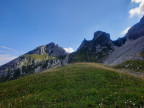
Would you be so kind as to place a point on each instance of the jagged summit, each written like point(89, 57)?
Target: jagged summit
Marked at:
point(52, 49)
point(100, 38)
point(100, 34)
point(94, 50)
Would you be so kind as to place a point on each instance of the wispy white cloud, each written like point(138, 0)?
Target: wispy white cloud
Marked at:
point(6, 58)
point(138, 11)
point(4, 47)
point(125, 31)
point(7, 54)
point(69, 50)
point(11, 49)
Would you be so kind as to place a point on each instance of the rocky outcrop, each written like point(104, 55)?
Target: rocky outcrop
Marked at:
point(95, 50)
point(37, 60)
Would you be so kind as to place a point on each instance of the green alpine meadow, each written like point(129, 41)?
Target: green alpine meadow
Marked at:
point(77, 85)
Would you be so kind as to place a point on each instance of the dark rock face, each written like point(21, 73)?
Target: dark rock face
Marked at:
point(101, 34)
point(120, 41)
point(136, 31)
point(94, 50)
point(37, 60)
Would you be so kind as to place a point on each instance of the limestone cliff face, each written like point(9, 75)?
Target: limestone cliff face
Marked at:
point(37, 60)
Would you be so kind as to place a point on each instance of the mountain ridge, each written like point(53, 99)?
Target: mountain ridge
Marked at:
point(100, 49)
point(115, 52)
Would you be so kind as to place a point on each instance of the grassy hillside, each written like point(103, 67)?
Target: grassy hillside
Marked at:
point(77, 85)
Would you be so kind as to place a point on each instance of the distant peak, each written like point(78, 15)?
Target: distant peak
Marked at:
point(101, 33)
point(52, 43)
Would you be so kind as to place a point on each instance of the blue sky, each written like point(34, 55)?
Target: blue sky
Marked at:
point(26, 24)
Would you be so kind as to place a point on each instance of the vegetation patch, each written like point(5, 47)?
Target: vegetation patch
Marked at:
point(135, 65)
point(74, 86)
point(37, 56)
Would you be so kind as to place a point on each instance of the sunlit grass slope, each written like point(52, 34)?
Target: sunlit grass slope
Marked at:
point(79, 85)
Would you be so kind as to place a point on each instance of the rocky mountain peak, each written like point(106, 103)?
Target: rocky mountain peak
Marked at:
point(101, 34)
point(94, 50)
point(52, 49)
point(37, 60)
point(52, 44)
